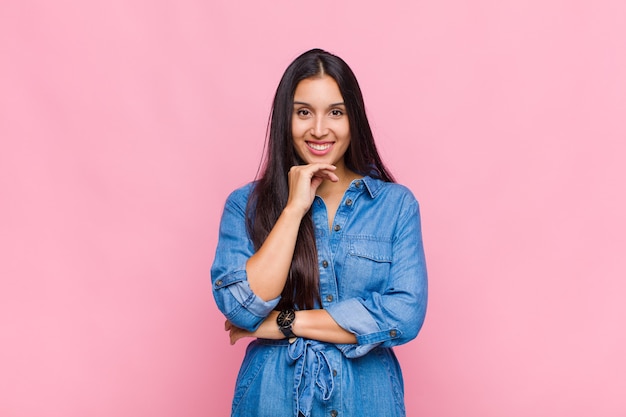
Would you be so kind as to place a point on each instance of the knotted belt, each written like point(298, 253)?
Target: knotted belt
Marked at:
point(311, 368)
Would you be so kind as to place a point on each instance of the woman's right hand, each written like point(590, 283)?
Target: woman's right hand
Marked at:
point(304, 180)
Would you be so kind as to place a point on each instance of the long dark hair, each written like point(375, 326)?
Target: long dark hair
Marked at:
point(271, 191)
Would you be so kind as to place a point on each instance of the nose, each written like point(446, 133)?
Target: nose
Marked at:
point(319, 128)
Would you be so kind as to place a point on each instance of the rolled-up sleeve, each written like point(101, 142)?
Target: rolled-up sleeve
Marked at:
point(396, 315)
point(230, 286)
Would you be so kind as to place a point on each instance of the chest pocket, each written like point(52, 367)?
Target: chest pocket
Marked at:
point(367, 265)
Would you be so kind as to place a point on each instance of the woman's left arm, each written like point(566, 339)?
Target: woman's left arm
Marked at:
point(395, 315)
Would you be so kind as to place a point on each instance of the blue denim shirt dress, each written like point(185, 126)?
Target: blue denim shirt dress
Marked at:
point(372, 282)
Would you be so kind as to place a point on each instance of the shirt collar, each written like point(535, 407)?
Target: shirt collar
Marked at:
point(372, 185)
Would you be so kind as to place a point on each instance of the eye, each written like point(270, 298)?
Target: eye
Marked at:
point(336, 113)
point(303, 112)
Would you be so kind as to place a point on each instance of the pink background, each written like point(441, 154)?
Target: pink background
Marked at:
point(124, 124)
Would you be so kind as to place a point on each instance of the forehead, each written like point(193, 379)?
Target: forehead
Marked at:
point(318, 90)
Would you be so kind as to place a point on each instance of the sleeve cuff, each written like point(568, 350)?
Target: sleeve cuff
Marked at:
point(247, 310)
point(352, 316)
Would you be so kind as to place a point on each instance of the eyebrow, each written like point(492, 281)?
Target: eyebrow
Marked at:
point(307, 104)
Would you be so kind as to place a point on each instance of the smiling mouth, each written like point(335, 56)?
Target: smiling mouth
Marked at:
point(319, 146)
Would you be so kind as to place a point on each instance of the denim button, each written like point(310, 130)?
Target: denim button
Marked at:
point(358, 184)
point(348, 202)
point(334, 413)
point(325, 264)
point(329, 298)
point(337, 228)
point(334, 372)
point(393, 333)
point(218, 282)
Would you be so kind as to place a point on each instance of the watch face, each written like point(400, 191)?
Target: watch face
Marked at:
point(285, 318)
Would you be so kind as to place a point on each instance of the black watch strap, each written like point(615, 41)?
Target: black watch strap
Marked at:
point(287, 331)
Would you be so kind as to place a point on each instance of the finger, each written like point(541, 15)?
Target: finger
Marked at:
point(234, 336)
point(311, 169)
point(326, 174)
point(327, 168)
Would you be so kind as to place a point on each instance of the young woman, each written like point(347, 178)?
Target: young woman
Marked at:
point(321, 259)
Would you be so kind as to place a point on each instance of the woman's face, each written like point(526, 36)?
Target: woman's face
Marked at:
point(320, 127)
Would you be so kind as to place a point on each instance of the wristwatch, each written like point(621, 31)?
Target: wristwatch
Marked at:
point(285, 320)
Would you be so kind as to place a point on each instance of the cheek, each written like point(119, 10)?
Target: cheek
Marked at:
point(298, 128)
point(345, 131)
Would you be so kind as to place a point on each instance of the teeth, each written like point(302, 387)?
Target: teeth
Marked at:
point(319, 147)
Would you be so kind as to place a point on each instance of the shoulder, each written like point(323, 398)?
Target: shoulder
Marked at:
point(390, 192)
point(239, 197)
point(241, 193)
point(397, 201)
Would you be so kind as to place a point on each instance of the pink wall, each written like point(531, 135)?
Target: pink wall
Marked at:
point(124, 124)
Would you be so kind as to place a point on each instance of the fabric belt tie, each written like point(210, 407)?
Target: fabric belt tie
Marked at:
point(311, 368)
